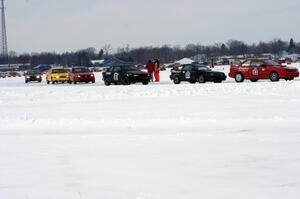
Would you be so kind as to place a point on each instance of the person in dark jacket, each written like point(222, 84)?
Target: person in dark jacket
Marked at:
point(150, 68)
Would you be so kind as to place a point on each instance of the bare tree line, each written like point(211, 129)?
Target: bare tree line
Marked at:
point(165, 53)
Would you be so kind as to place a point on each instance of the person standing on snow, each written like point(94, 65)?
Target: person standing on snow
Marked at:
point(156, 70)
point(150, 68)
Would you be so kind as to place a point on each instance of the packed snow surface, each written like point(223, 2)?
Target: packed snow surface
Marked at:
point(161, 141)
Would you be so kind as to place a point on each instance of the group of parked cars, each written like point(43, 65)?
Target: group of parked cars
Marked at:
point(9, 74)
point(251, 69)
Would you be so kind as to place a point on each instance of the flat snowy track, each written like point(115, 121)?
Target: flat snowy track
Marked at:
point(161, 141)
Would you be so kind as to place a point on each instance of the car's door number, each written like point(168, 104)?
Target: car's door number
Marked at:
point(188, 75)
point(255, 72)
point(116, 76)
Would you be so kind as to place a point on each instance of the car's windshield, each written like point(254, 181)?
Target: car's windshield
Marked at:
point(80, 70)
point(271, 63)
point(202, 68)
point(59, 71)
point(32, 72)
point(129, 68)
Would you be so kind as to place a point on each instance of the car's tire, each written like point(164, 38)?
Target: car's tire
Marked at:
point(274, 77)
point(218, 81)
point(193, 82)
point(48, 82)
point(125, 81)
point(253, 80)
point(70, 82)
point(289, 79)
point(26, 81)
point(176, 80)
point(239, 77)
point(145, 82)
point(75, 82)
point(201, 79)
point(93, 82)
point(53, 82)
point(107, 82)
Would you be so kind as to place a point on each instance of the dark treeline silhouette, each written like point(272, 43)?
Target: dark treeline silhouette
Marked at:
point(165, 53)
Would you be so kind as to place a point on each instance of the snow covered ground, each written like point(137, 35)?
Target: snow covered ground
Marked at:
point(161, 141)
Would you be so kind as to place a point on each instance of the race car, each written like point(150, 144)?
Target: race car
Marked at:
point(81, 74)
point(255, 69)
point(33, 76)
point(125, 74)
point(56, 75)
point(196, 73)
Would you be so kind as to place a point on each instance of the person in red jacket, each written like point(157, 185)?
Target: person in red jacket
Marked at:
point(150, 68)
point(156, 70)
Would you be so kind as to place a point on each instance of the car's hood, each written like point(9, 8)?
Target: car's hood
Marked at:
point(290, 68)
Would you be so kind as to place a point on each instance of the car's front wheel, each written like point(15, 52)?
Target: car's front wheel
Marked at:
point(125, 81)
point(253, 80)
point(176, 80)
point(145, 82)
point(218, 81)
point(201, 79)
point(274, 77)
point(239, 78)
point(107, 82)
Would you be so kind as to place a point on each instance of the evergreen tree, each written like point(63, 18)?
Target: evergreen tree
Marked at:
point(292, 46)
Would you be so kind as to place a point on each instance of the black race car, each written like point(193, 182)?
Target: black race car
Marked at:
point(33, 76)
point(196, 73)
point(125, 74)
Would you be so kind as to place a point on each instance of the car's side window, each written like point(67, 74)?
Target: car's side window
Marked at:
point(117, 69)
point(246, 64)
point(256, 63)
point(109, 69)
point(187, 68)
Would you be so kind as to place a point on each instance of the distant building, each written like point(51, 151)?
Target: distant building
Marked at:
point(114, 62)
point(14, 67)
point(97, 62)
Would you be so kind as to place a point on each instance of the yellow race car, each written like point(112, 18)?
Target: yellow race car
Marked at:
point(56, 75)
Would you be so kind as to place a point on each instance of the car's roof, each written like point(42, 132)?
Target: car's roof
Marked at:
point(56, 68)
point(257, 59)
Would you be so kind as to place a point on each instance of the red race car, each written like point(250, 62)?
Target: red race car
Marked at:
point(255, 69)
point(81, 74)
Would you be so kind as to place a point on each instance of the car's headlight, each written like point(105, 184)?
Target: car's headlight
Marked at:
point(78, 76)
point(27, 77)
point(92, 75)
point(38, 76)
point(57, 77)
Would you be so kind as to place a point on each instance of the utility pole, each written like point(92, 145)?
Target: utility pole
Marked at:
point(4, 48)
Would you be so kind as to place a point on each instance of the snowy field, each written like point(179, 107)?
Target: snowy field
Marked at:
point(161, 141)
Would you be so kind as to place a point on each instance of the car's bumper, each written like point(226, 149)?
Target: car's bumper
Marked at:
point(84, 79)
point(60, 79)
point(140, 79)
point(32, 79)
point(292, 74)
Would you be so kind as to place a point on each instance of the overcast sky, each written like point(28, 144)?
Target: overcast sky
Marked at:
point(62, 25)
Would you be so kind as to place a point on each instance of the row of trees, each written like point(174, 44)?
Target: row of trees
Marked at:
point(165, 53)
